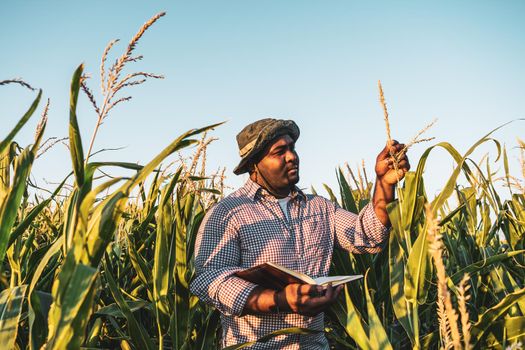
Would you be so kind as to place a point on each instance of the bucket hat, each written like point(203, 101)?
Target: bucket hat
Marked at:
point(256, 136)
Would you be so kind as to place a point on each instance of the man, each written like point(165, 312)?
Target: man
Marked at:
point(269, 219)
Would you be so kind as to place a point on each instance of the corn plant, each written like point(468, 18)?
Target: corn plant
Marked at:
point(60, 254)
point(482, 237)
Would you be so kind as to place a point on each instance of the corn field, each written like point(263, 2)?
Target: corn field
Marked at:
point(105, 262)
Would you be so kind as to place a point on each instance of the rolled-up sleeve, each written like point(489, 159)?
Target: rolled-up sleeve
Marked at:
point(217, 258)
point(363, 233)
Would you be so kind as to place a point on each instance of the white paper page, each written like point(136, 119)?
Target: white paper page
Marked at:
point(336, 280)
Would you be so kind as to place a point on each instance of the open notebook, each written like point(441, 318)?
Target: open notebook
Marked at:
point(274, 276)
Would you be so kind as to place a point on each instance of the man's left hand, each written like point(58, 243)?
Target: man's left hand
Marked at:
point(387, 171)
point(307, 299)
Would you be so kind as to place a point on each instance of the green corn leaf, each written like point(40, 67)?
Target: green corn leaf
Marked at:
point(88, 201)
point(511, 285)
point(396, 220)
point(194, 132)
point(133, 305)
point(9, 207)
point(181, 239)
point(137, 333)
point(11, 300)
point(515, 230)
point(26, 222)
point(451, 214)
point(198, 178)
point(83, 176)
point(397, 262)
point(184, 209)
point(91, 166)
point(377, 335)
point(331, 194)
point(191, 235)
point(209, 190)
point(82, 199)
point(94, 333)
point(206, 337)
point(417, 271)
point(450, 185)
point(429, 341)
point(161, 272)
point(354, 326)
point(488, 191)
point(6, 161)
point(491, 315)
point(506, 167)
point(468, 196)
point(498, 289)
point(509, 330)
point(150, 200)
point(192, 229)
point(347, 198)
point(75, 141)
point(411, 187)
point(37, 318)
point(141, 268)
point(7, 141)
point(83, 203)
point(73, 295)
point(480, 265)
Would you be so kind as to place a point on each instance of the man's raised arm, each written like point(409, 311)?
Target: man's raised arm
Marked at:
point(367, 232)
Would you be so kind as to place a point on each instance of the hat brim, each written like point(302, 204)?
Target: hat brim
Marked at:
point(267, 135)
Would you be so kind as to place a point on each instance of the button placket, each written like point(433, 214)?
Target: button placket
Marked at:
point(295, 216)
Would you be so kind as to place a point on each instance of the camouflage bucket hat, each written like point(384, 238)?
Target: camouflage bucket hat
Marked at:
point(256, 136)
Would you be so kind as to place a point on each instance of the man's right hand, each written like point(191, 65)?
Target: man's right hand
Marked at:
point(307, 299)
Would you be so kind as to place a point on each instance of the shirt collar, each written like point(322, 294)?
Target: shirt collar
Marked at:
point(255, 192)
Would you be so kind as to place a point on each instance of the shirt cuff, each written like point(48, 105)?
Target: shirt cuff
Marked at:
point(376, 231)
point(234, 294)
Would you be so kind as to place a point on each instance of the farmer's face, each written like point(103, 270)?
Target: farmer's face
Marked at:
point(280, 164)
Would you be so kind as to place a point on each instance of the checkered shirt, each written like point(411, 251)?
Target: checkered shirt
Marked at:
point(248, 228)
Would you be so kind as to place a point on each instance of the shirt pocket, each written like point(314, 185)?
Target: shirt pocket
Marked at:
point(270, 243)
point(316, 235)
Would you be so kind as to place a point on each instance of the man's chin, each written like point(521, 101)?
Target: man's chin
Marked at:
point(293, 180)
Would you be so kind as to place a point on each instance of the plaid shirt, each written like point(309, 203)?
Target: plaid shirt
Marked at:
point(248, 228)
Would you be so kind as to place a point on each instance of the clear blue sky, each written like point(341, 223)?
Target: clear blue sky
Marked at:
point(316, 62)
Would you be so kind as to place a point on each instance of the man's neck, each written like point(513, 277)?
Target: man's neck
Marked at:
point(279, 195)
point(276, 192)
